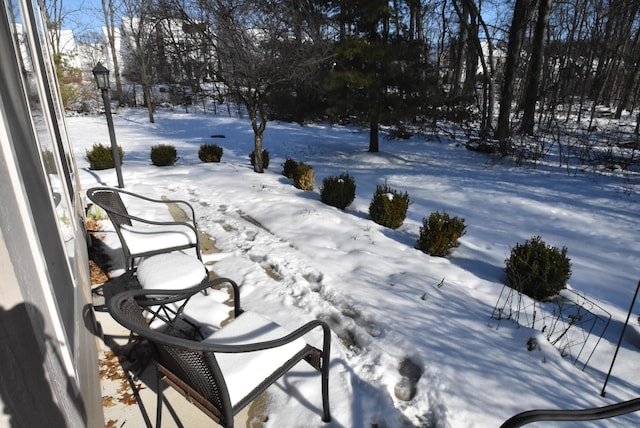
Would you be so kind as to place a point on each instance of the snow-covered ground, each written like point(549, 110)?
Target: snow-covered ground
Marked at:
point(394, 310)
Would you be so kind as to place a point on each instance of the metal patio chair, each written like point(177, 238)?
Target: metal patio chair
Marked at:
point(144, 226)
point(220, 370)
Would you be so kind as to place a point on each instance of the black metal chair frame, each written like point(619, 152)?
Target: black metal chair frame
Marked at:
point(190, 366)
point(109, 199)
point(590, 414)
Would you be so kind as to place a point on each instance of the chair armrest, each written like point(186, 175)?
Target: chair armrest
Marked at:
point(147, 298)
point(190, 212)
point(156, 298)
point(159, 223)
point(275, 343)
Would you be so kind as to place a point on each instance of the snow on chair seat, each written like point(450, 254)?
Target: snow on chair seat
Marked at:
point(170, 271)
point(177, 271)
point(242, 371)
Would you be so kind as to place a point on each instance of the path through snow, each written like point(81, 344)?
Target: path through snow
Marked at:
point(298, 282)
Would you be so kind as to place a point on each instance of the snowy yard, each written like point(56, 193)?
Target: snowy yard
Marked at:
point(394, 310)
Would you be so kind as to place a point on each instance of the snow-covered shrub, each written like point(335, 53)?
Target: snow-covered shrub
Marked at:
point(100, 157)
point(304, 177)
point(164, 155)
point(538, 270)
point(389, 207)
point(338, 191)
point(440, 233)
point(265, 159)
point(210, 153)
point(289, 168)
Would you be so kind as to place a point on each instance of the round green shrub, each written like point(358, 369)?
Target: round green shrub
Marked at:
point(389, 207)
point(265, 159)
point(439, 233)
point(164, 155)
point(100, 157)
point(289, 168)
point(538, 270)
point(304, 177)
point(210, 153)
point(338, 191)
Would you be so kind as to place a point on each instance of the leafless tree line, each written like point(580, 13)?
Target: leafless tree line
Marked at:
point(525, 64)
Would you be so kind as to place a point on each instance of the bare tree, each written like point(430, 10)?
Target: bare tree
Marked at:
point(521, 15)
point(109, 8)
point(471, 18)
point(460, 49)
point(138, 30)
point(55, 14)
point(535, 68)
point(630, 85)
point(260, 46)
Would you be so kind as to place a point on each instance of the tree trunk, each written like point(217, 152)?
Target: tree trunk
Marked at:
point(255, 107)
point(149, 101)
point(461, 47)
point(535, 68)
point(109, 17)
point(146, 91)
point(474, 51)
point(470, 13)
point(488, 86)
point(258, 163)
point(633, 75)
point(373, 134)
point(145, 77)
point(516, 37)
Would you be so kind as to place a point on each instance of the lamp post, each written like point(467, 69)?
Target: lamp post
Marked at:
point(101, 73)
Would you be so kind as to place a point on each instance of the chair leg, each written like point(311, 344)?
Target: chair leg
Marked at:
point(326, 360)
point(326, 412)
point(159, 396)
point(136, 394)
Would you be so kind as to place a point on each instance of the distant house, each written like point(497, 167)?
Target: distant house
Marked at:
point(48, 346)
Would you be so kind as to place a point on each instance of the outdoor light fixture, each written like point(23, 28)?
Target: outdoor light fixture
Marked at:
point(101, 73)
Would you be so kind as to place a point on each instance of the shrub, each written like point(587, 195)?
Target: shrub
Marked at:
point(400, 132)
point(100, 157)
point(338, 191)
point(538, 270)
point(289, 168)
point(265, 158)
point(304, 177)
point(163, 155)
point(439, 233)
point(210, 153)
point(389, 207)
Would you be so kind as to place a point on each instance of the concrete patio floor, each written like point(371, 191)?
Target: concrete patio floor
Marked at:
point(122, 409)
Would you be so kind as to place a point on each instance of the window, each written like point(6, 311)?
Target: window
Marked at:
point(45, 162)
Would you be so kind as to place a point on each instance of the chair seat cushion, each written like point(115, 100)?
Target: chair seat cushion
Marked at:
point(208, 311)
point(142, 238)
point(177, 271)
point(243, 372)
point(170, 271)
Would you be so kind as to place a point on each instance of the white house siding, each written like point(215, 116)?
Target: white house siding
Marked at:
point(49, 370)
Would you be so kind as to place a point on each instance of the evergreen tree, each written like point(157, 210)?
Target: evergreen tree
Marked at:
point(380, 75)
